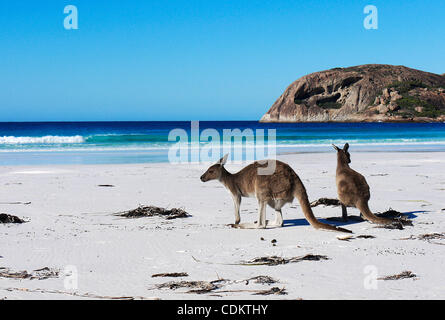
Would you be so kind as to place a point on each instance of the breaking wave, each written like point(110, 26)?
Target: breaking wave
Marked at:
point(11, 140)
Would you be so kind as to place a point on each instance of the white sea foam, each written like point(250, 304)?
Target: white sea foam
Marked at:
point(156, 147)
point(11, 140)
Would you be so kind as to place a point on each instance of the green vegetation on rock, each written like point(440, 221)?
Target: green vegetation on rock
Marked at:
point(408, 105)
point(405, 86)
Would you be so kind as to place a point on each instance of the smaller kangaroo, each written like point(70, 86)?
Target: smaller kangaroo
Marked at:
point(275, 190)
point(352, 188)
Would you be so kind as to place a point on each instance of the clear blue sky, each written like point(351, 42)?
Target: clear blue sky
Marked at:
point(190, 59)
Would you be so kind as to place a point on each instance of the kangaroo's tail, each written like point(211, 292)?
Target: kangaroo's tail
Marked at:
point(301, 195)
point(366, 212)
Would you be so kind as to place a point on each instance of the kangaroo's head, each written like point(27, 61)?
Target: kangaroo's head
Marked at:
point(343, 154)
point(215, 171)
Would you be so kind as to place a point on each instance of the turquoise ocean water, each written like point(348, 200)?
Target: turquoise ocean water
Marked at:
point(143, 142)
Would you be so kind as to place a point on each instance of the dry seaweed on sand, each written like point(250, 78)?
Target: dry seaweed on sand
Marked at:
point(326, 202)
point(403, 275)
point(267, 292)
point(274, 260)
point(39, 274)
point(431, 236)
point(6, 273)
point(428, 237)
point(204, 287)
point(198, 287)
point(262, 280)
point(45, 273)
point(390, 213)
point(7, 218)
point(170, 275)
point(151, 211)
point(274, 290)
point(399, 217)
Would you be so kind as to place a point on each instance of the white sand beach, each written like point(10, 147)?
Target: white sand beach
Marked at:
point(71, 224)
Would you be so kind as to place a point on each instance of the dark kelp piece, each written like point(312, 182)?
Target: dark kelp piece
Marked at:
point(274, 290)
point(428, 237)
point(170, 275)
point(403, 275)
point(274, 260)
point(39, 274)
point(151, 211)
point(198, 287)
point(326, 202)
point(7, 218)
point(262, 280)
point(398, 216)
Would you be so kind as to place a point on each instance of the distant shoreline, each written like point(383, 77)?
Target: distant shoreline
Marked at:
point(420, 120)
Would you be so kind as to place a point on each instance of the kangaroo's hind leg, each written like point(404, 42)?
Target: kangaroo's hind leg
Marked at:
point(237, 203)
point(344, 216)
point(261, 223)
point(277, 205)
point(344, 213)
point(278, 220)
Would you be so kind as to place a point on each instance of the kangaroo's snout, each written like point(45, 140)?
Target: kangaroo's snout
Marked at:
point(212, 173)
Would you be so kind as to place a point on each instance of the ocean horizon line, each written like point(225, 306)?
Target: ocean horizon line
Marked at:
point(228, 120)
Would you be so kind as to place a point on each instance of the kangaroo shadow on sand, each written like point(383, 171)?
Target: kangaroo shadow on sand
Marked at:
point(351, 221)
point(412, 214)
point(303, 222)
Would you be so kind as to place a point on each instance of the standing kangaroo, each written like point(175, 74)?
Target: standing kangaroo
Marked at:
point(352, 188)
point(275, 190)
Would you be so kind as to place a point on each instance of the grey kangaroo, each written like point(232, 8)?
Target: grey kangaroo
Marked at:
point(275, 190)
point(352, 188)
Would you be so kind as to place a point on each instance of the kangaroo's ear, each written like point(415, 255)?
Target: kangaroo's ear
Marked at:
point(346, 147)
point(223, 160)
point(335, 147)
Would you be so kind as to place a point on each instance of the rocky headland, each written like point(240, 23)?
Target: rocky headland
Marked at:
point(364, 93)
